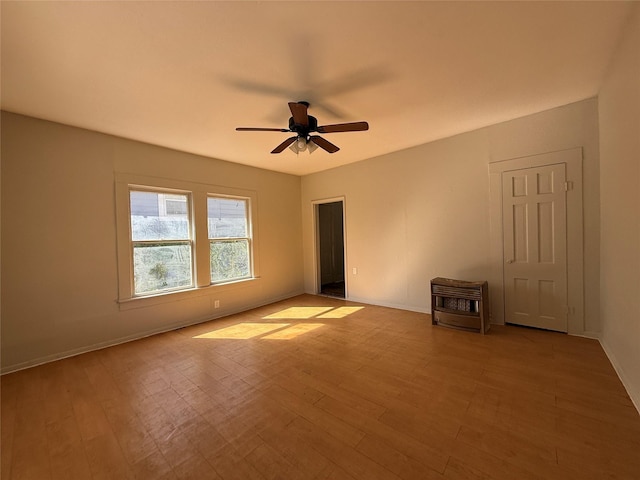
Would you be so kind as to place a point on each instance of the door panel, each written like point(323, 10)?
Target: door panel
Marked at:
point(520, 233)
point(535, 256)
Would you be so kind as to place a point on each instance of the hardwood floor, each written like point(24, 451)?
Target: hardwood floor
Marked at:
point(310, 389)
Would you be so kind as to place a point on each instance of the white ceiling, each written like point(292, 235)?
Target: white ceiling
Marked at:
point(185, 74)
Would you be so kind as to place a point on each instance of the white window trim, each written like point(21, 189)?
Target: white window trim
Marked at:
point(199, 192)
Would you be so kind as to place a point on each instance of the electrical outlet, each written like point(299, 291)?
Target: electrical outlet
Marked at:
point(216, 304)
point(355, 270)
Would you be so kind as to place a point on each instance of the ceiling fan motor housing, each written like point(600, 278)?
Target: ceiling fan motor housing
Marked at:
point(303, 130)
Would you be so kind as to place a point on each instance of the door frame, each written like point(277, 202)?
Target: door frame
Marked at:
point(572, 158)
point(316, 242)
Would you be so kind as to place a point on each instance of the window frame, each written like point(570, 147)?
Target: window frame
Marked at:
point(198, 193)
point(248, 238)
point(188, 241)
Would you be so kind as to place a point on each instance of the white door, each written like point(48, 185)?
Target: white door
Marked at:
point(535, 247)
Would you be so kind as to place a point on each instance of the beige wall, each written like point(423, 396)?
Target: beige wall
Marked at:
point(410, 216)
point(425, 212)
point(619, 106)
point(59, 275)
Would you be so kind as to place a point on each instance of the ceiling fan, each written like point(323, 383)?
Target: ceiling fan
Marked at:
point(303, 124)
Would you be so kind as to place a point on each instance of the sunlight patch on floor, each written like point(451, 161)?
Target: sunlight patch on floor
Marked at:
point(243, 330)
point(298, 312)
point(340, 312)
point(281, 331)
point(293, 331)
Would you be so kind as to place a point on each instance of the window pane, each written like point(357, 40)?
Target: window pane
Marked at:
point(158, 216)
point(161, 267)
point(227, 217)
point(229, 260)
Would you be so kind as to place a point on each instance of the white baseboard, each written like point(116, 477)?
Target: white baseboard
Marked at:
point(591, 335)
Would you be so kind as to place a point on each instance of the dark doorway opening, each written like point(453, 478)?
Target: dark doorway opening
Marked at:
point(331, 249)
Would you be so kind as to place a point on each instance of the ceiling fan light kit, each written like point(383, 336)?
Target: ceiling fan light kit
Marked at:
point(303, 124)
point(301, 145)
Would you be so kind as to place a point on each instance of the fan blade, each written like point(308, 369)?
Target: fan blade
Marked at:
point(325, 144)
point(344, 127)
point(259, 129)
point(284, 145)
point(299, 113)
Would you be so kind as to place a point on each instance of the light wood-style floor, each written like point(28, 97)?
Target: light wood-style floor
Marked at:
point(309, 389)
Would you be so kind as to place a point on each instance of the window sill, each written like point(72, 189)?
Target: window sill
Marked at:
point(176, 296)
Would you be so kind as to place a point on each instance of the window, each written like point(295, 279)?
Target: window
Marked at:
point(177, 237)
point(161, 242)
point(229, 240)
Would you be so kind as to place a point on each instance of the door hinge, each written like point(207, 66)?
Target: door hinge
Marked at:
point(568, 185)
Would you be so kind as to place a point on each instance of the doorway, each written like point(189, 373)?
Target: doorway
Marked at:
point(330, 235)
